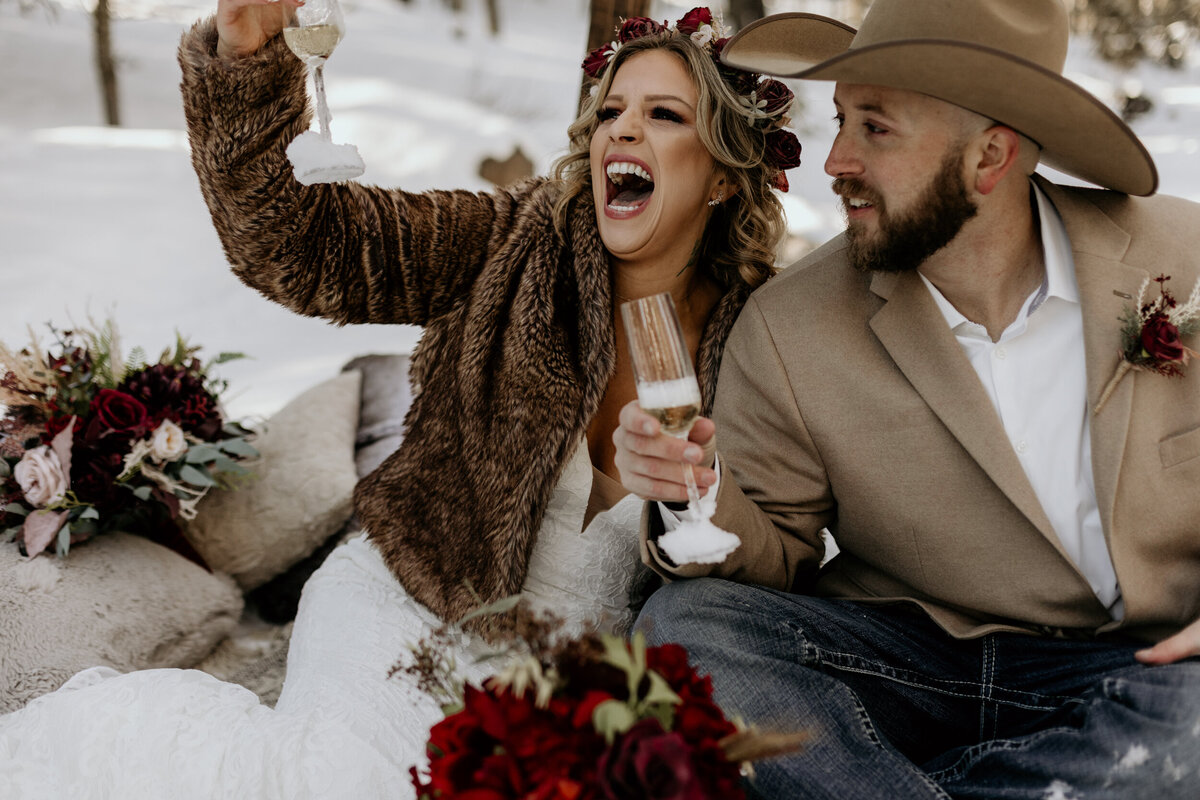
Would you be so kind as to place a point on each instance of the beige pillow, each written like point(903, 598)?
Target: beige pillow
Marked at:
point(301, 494)
point(117, 600)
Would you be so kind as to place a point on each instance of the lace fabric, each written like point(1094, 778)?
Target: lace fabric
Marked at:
point(341, 728)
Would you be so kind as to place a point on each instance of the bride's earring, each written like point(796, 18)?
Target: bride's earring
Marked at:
point(716, 201)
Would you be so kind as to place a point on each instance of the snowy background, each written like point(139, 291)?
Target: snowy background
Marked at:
point(110, 221)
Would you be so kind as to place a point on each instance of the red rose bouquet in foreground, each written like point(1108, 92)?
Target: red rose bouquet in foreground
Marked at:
point(90, 442)
point(1152, 335)
point(594, 717)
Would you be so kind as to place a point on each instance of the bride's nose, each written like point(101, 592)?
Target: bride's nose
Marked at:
point(627, 127)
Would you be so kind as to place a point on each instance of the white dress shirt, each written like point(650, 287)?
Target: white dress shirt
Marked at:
point(1036, 378)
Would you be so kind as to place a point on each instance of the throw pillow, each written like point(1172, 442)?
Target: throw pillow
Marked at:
point(302, 491)
point(117, 600)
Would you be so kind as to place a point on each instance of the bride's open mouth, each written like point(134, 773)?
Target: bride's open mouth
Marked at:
point(629, 186)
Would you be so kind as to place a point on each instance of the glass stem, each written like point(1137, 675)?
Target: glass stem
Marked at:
point(323, 116)
point(689, 477)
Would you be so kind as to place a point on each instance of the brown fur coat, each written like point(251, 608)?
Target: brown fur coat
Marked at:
point(518, 343)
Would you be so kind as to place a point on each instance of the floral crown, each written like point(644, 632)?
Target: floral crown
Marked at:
point(765, 102)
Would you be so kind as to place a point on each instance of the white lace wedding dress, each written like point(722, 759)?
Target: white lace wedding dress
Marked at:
point(341, 728)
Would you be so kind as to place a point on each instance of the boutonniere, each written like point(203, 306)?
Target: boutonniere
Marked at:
point(1152, 335)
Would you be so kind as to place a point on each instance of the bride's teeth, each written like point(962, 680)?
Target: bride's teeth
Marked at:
point(618, 168)
point(857, 203)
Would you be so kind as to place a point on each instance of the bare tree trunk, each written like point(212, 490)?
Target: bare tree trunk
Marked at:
point(605, 16)
point(493, 13)
point(105, 64)
point(743, 12)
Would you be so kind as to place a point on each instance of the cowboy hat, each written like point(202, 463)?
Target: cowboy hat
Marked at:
point(999, 58)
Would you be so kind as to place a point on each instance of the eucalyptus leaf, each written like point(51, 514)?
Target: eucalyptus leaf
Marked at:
point(143, 492)
point(16, 509)
point(201, 454)
point(196, 476)
point(9, 534)
point(5, 469)
point(63, 546)
point(238, 447)
point(612, 717)
point(91, 513)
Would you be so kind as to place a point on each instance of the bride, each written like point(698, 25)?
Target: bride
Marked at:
point(505, 482)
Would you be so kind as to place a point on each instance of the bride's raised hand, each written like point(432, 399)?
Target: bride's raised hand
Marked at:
point(243, 26)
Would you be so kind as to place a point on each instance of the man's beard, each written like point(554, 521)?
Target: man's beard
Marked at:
point(905, 241)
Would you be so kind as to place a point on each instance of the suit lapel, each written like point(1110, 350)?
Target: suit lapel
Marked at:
point(1107, 286)
point(917, 338)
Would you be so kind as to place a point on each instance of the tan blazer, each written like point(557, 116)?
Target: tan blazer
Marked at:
point(845, 402)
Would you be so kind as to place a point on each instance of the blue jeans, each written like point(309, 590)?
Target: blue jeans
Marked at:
point(900, 710)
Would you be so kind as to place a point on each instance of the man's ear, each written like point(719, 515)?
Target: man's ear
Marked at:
point(998, 149)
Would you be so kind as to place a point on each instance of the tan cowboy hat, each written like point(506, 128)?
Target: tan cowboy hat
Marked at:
point(999, 58)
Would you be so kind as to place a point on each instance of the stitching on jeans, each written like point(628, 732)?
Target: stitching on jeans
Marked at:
point(848, 662)
point(988, 667)
point(976, 752)
point(869, 731)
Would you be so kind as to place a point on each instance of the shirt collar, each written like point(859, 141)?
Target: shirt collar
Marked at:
point(1059, 262)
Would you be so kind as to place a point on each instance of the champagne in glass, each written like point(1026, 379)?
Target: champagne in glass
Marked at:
point(312, 31)
point(668, 391)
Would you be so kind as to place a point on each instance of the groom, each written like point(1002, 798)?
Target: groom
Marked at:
point(1015, 607)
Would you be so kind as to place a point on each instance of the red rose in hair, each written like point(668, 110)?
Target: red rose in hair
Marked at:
point(637, 27)
point(597, 60)
point(118, 412)
point(782, 150)
point(690, 22)
point(776, 94)
point(1160, 339)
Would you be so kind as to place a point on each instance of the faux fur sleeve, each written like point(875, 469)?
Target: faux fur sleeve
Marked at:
point(349, 253)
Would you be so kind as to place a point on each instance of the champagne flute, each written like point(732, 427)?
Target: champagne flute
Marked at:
point(667, 390)
point(312, 31)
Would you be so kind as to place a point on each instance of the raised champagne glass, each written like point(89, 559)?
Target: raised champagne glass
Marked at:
point(312, 31)
point(667, 390)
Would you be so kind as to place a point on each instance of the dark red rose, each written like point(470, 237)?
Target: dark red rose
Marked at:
point(1160, 339)
point(647, 763)
point(597, 60)
point(782, 150)
point(776, 94)
point(637, 27)
point(700, 720)
point(690, 22)
point(671, 662)
point(118, 412)
point(56, 425)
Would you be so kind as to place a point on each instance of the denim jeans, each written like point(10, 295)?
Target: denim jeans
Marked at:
point(900, 710)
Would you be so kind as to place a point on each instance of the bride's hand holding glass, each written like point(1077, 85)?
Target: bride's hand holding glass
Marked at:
point(244, 26)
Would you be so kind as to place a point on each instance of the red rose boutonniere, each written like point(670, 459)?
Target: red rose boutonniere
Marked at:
point(1152, 335)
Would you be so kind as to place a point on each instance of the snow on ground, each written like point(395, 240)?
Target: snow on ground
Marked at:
point(101, 221)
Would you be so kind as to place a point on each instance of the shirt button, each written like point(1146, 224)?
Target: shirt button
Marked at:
point(1021, 446)
point(1001, 353)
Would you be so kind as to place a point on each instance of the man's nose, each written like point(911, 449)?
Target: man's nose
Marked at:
point(842, 161)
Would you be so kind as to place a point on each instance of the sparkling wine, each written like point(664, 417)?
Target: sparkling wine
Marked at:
point(312, 41)
point(675, 404)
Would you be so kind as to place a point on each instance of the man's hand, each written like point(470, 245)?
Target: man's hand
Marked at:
point(243, 26)
point(1181, 645)
point(651, 462)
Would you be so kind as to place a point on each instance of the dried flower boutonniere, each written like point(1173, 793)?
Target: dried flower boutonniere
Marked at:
point(1152, 334)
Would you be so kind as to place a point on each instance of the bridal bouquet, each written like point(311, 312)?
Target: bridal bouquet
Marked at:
point(586, 718)
point(91, 442)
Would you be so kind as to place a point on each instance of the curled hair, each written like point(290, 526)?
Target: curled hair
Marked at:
point(743, 232)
